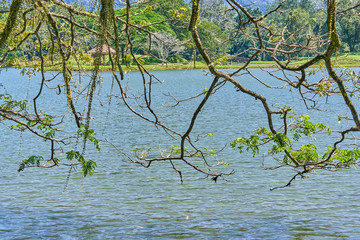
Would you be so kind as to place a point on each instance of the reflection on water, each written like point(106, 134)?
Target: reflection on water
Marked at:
point(122, 200)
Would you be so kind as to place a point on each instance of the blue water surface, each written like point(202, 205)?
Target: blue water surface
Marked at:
point(123, 200)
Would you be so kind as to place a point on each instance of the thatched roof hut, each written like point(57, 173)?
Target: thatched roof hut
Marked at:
point(104, 50)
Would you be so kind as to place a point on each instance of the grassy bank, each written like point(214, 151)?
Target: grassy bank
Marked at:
point(350, 60)
point(346, 60)
point(343, 60)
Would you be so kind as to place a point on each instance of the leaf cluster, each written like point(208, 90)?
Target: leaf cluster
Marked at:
point(306, 154)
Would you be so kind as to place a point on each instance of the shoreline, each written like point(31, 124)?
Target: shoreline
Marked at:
point(350, 60)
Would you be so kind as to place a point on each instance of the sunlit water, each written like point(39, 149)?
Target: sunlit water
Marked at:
point(125, 201)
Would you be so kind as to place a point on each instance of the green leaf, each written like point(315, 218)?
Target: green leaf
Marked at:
point(225, 163)
point(84, 131)
point(87, 166)
point(32, 161)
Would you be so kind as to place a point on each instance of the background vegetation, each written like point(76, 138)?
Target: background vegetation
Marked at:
point(218, 28)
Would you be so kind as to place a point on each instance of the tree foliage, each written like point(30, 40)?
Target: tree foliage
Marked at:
point(57, 34)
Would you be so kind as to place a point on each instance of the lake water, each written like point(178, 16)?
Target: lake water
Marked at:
point(125, 201)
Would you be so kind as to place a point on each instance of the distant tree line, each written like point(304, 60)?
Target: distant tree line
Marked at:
point(219, 29)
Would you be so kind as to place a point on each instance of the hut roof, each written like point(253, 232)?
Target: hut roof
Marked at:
point(105, 49)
